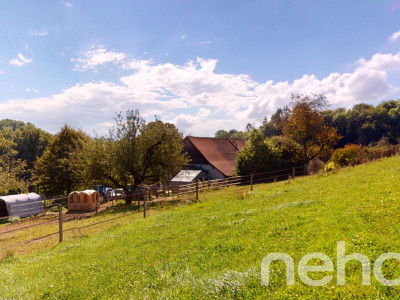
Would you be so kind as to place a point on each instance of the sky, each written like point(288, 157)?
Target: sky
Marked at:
point(203, 65)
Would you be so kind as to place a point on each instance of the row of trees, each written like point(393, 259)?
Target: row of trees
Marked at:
point(307, 129)
point(300, 134)
point(133, 153)
point(20, 145)
point(364, 124)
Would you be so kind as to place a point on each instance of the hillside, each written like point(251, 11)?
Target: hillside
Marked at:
point(214, 248)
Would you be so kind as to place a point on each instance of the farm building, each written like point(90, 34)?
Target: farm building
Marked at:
point(21, 205)
point(85, 200)
point(216, 157)
point(188, 176)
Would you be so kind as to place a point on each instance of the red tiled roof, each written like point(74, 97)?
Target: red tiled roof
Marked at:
point(219, 152)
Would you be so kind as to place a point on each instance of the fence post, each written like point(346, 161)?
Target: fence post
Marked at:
point(178, 190)
point(197, 190)
point(60, 223)
point(294, 173)
point(251, 181)
point(144, 204)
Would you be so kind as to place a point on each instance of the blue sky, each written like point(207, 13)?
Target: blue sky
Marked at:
point(203, 65)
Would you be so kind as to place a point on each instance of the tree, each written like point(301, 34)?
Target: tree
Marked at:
point(271, 128)
point(10, 175)
point(11, 168)
point(233, 133)
point(135, 153)
point(56, 169)
point(28, 143)
point(257, 156)
point(31, 143)
point(288, 151)
point(264, 155)
point(221, 133)
point(304, 124)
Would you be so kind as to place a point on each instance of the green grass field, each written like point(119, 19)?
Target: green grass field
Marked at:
point(215, 248)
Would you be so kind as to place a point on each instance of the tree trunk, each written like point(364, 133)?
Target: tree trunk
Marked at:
point(305, 168)
point(130, 194)
point(129, 197)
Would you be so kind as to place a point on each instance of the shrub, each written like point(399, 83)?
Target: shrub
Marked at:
point(289, 152)
point(257, 156)
point(349, 155)
point(315, 166)
point(330, 166)
point(13, 219)
point(377, 152)
point(264, 155)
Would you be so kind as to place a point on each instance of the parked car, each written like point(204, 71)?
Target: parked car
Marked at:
point(108, 193)
point(119, 194)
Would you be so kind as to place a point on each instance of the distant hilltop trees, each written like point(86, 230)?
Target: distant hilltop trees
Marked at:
point(307, 129)
point(364, 124)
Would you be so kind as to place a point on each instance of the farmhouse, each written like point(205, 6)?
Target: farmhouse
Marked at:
point(214, 156)
point(21, 205)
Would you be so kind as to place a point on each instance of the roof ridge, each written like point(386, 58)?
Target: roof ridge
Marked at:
point(233, 144)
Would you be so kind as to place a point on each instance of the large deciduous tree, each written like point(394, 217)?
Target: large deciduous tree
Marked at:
point(11, 169)
point(136, 153)
point(56, 169)
point(304, 124)
point(263, 155)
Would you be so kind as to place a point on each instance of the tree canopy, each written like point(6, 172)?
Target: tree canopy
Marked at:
point(304, 124)
point(56, 170)
point(136, 153)
point(20, 145)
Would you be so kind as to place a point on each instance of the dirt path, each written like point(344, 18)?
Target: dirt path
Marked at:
point(50, 218)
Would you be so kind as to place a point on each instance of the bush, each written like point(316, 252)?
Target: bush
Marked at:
point(354, 154)
point(315, 166)
point(13, 219)
point(330, 166)
point(290, 153)
point(264, 155)
point(349, 155)
point(257, 156)
point(377, 152)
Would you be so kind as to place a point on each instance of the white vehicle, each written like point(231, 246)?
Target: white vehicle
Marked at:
point(119, 194)
point(108, 193)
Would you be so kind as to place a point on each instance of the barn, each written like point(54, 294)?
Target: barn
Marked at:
point(216, 157)
point(21, 205)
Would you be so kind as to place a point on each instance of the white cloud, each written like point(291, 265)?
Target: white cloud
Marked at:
point(43, 32)
point(20, 60)
point(95, 57)
point(2, 72)
point(203, 42)
point(395, 36)
point(193, 96)
point(66, 4)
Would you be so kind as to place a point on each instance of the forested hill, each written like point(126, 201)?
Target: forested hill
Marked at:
point(364, 124)
point(20, 145)
point(24, 141)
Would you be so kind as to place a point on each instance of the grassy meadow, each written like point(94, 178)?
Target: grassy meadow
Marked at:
point(214, 249)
